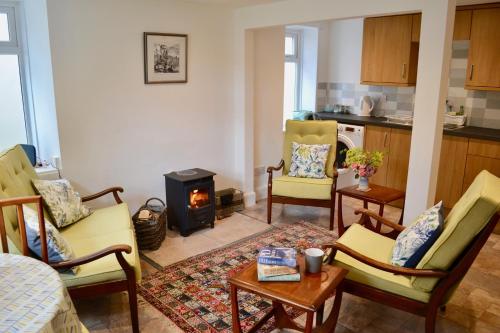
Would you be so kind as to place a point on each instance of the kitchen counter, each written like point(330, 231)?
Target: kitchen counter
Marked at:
point(467, 131)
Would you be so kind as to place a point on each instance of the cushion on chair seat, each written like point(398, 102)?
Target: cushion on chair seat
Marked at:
point(378, 248)
point(303, 188)
point(106, 268)
point(102, 221)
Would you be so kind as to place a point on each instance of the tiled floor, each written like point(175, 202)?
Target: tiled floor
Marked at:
point(475, 307)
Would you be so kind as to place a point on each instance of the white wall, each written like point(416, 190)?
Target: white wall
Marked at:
point(309, 67)
point(42, 86)
point(114, 129)
point(345, 47)
point(269, 60)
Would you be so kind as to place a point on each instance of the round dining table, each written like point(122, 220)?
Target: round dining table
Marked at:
point(33, 298)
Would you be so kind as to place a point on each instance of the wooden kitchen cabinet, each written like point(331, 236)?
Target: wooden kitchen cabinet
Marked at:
point(377, 139)
point(483, 66)
point(481, 155)
point(451, 170)
point(399, 157)
point(463, 20)
point(389, 56)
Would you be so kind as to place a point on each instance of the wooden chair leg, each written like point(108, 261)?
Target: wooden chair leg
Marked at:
point(269, 208)
point(132, 299)
point(430, 321)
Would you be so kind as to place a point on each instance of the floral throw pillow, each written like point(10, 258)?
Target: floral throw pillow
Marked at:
point(63, 202)
point(413, 242)
point(58, 249)
point(308, 161)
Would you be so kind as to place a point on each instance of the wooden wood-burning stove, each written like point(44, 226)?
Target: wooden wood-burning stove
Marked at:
point(190, 199)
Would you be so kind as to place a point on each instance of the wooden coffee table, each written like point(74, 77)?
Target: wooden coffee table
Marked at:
point(379, 195)
point(308, 295)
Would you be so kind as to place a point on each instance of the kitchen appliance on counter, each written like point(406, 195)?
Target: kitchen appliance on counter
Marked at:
point(366, 106)
point(349, 136)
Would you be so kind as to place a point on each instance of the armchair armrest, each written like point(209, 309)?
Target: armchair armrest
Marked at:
point(116, 249)
point(368, 213)
point(113, 190)
point(383, 266)
point(280, 166)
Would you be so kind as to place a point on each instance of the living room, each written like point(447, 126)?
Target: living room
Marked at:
point(88, 86)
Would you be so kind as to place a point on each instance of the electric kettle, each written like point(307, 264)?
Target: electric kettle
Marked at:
point(366, 106)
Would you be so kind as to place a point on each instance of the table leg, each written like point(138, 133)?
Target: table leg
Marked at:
point(234, 309)
point(402, 214)
point(381, 213)
point(309, 322)
point(319, 314)
point(340, 219)
point(281, 318)
point(331, 321)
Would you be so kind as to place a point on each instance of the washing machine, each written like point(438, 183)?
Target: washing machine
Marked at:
point(349, 136)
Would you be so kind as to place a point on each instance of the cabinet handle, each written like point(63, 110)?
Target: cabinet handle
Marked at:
point(403, 72)
point(471, 71)
point(385, 139)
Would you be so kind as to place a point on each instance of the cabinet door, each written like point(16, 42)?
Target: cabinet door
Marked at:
point(386, 49)
point(475, 164)
point(451, 170)
point(399, 156)
point(378, 138)
point(461, 30)
point(483, 67)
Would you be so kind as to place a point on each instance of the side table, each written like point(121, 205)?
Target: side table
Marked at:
point(379, 195)
point(308, 295)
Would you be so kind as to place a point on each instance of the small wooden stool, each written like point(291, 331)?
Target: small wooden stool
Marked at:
point(379, 195)
point(308, 295)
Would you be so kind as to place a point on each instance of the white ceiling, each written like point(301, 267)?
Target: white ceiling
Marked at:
point(235, 3)
point(246, 3)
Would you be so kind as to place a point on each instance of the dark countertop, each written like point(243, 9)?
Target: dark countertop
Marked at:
point(467, 131)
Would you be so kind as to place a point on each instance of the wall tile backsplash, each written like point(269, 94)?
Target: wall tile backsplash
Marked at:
point(481, 107)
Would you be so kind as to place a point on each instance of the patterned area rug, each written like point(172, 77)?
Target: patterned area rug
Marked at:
point(194, 293)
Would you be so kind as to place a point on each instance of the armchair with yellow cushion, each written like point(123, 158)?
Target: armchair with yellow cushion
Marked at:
point(318, 192)
point(104, 242)
point(428, 286)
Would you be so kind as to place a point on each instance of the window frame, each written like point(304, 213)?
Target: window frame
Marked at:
point(297, 59)
point(17, 46)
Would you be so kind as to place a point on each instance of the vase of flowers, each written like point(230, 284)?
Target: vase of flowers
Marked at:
point(364, 164)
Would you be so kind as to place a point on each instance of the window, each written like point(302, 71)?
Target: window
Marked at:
point(14, 118)
point(291, 100)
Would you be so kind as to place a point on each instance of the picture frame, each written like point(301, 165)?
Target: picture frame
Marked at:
point(165, 58)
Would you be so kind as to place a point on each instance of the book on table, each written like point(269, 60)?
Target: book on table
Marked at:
point(277, 264)
point(280, 256)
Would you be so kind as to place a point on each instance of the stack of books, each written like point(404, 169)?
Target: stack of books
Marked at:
point(277, 264)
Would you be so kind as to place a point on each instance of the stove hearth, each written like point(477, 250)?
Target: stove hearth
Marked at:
point(190, 199)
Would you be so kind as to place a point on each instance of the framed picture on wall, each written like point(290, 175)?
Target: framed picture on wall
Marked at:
point(165, 58)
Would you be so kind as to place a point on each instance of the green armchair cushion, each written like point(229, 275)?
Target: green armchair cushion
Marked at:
point(467, 218)
point(102, 221)
point(106, 268)
point(304, 188)
point(379, 248)
point(311, 132)
point(16, 173)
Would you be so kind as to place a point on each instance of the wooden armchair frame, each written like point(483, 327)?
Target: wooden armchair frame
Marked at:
point(86, 291)
point(299, 201)
point(448, 278)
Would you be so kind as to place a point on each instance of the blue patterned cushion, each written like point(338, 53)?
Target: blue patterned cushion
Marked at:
point(58, 249)
point(413, 242)
point(308, 160)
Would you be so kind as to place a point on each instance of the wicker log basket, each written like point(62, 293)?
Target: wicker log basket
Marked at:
point(150, 231)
